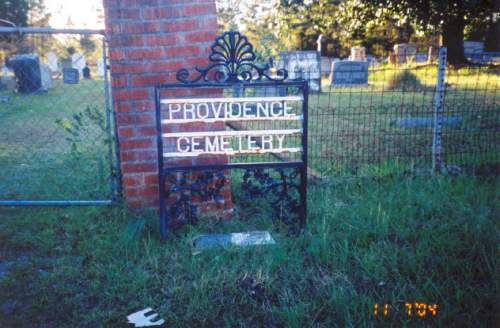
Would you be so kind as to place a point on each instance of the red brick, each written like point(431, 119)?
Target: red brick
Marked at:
point(154, 13)
point(181, 25)
point(136, 144)
point(163, 66)
point(127, 68)
point(124, 132)
point(145, 155)
point(140, 28)
point(199, 36)
point(147, 131)
point(135, 119)
point(138, 167)
point(120, 40)
point(151, 179)
point(123, 106)
point(133, 180)
point(162, 40)
point(144, 106)
point(145, 53)
point(184, 51)
point(122, 13)
point(131, 94)
point(142, 191)
point(118, 81)
point(149, 80)
point(199, 9)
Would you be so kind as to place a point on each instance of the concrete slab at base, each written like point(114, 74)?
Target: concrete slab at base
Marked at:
point(251, 238)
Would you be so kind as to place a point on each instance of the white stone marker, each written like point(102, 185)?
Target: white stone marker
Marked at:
point(52, 61)
point(46, 75)
point(78, 62)
point(358, 53)
point(100, 67)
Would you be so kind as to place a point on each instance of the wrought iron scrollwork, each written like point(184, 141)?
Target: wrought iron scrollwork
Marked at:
point(207, 185)
point(233, 60)
point(282, 192)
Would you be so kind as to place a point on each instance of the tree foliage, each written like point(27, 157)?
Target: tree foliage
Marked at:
point(449, 18)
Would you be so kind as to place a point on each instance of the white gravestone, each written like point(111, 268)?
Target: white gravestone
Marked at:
point(78, 62)
point(7, 79)
point(303, 65)
point(100, 67)
point(405, 52)
point(46, 76)
point(52, 61)
point(348, 72)
point(358, 53)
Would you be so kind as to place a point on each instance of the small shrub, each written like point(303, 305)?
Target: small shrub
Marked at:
point(404, 81)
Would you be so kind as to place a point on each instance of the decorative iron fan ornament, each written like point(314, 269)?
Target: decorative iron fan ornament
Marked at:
point(233, 59)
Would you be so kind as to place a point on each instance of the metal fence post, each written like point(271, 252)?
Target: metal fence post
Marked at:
point(111, 130)
point(437, 148)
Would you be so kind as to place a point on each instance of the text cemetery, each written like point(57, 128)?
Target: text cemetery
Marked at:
point(226, 110)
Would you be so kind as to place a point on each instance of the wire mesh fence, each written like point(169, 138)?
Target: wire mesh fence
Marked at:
point(386, 123)
point(55, 121)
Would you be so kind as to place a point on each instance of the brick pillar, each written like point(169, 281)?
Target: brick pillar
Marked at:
point(149, 40)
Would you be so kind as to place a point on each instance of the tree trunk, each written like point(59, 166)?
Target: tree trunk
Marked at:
point(452, 38)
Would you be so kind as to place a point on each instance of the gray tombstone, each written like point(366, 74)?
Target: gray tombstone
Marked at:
point(405, 52)
point(349, 72)
point(473, 47)
point(303, 65)
point(71, 76)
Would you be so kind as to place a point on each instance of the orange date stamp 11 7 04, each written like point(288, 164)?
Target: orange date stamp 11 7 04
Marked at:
point(415, 309)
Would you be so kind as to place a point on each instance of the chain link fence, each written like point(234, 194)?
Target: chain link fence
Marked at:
point(56, 140)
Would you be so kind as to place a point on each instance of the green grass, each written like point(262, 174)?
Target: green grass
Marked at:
point(424, 239)
point(35, 154)
point(395, 240)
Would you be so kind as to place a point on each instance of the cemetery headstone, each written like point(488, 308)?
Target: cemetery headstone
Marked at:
point(358, 53)
point(46, 75)
point(473, 47)
point(52, 62)
point(100, 67)
point(303, 65)
point(405, 52)
point(71, 76)
point(78, 62)
point(27, 71)
point(349, 72)
point(7, 79)
point(86, 72)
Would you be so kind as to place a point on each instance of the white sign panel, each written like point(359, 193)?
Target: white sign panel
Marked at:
point(228, 142)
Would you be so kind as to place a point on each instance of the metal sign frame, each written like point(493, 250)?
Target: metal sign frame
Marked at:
point(233, 66)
